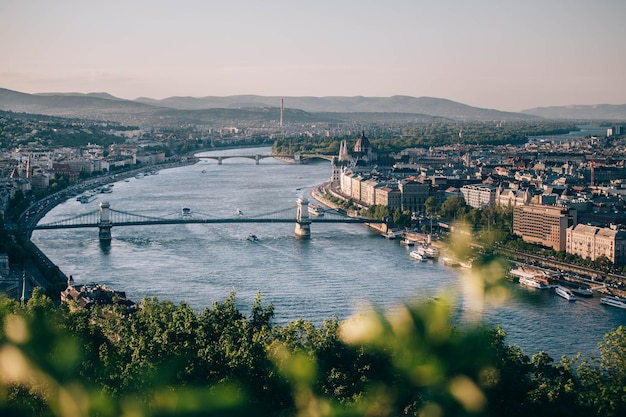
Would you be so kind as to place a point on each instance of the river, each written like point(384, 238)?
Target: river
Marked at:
point(340, 271)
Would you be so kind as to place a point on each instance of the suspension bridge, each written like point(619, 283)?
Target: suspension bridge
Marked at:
point(105, 218)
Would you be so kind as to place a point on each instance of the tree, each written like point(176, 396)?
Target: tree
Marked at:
point(432, 205)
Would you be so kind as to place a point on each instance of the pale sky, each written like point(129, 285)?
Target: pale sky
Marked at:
point(505, 55)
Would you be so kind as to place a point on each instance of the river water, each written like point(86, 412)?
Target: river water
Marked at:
point(340, 271)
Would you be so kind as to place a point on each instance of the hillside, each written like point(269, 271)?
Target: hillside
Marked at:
point(253, 109)
point(577, 112)
point(397, 104)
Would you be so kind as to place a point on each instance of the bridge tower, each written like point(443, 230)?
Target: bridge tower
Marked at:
point(105, 222)
point(303, 223)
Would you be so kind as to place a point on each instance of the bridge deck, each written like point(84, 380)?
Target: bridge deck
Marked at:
point(203, 221)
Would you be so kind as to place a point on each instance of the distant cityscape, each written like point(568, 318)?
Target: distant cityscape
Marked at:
point(566, 192)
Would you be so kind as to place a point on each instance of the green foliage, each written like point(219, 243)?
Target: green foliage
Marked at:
point(376, 211)
point(397, 137)
point(167, 359)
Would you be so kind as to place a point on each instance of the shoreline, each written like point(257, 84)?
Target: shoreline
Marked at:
point(318, 191)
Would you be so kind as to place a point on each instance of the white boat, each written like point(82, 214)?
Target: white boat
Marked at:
point(86, 198)
point(614, 301)
point(532, 282)
point(316, 210)
point(447, 261)
point(466, 264)
point(407, 242)
point(389, 235)
point(428, 251)
point(186, 213)
point(564, 292)
point(253, 238)
point(417, 256)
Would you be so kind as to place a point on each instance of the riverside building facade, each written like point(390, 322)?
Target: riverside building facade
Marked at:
point(542, 225)
point(591, 242)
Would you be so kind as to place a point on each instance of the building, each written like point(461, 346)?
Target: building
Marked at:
point(388, 196)
point(542, 225)
point(414, 195)
point(87, 296)
point(479, 195)
point(591, 242)
point(511, 197)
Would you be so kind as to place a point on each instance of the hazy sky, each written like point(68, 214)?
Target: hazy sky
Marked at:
point(507, 55)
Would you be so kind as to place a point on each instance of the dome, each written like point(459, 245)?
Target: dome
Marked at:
point(362, 144)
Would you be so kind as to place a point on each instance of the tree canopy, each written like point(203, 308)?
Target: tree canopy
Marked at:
point(167, 359)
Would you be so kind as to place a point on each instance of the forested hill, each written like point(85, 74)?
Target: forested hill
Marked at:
point(596, 112)
point(221, 110)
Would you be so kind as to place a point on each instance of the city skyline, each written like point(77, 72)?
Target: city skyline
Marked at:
point(507, 57)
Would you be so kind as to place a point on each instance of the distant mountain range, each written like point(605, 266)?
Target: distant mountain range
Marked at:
point(259, 109)
point(597, 112)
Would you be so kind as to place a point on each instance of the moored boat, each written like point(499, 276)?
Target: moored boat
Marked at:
point(614, 301)
point(316, 210)
point(86, 198)
point(448, 261)
point(417, 256)
point(407, 242)
point(466, 264)
point(389, 235)
point(532, 283)
point(564, 292)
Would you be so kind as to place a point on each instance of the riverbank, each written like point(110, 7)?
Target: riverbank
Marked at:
point(597, 280)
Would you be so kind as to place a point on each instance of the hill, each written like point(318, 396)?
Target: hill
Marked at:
point(253, 109)
point(578, 112)
point(335, 104)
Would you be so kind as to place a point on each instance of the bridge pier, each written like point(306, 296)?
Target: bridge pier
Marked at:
point(303, 223)
point(257, 158)
point(104, 227)
point(219, 160)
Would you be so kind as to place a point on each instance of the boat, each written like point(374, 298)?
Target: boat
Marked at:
point(583, 292)
point(466, 264)
point(564, 292)
point(389, 235)
point(186, 213)
point(86, 198)
point(417, 256)
point(407, 242)
point(316, 210)
point(614, 301)
point(532, 282)
point(239, 212)
point(253, 238)
point(428, 251)
point(447, 261)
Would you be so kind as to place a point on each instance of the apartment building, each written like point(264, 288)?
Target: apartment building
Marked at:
point(543, 225)
point(479, 195)
point(591, 242)
point(414, 195)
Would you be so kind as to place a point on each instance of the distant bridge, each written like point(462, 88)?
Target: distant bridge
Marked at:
point(296, 158)
point(106, 217)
